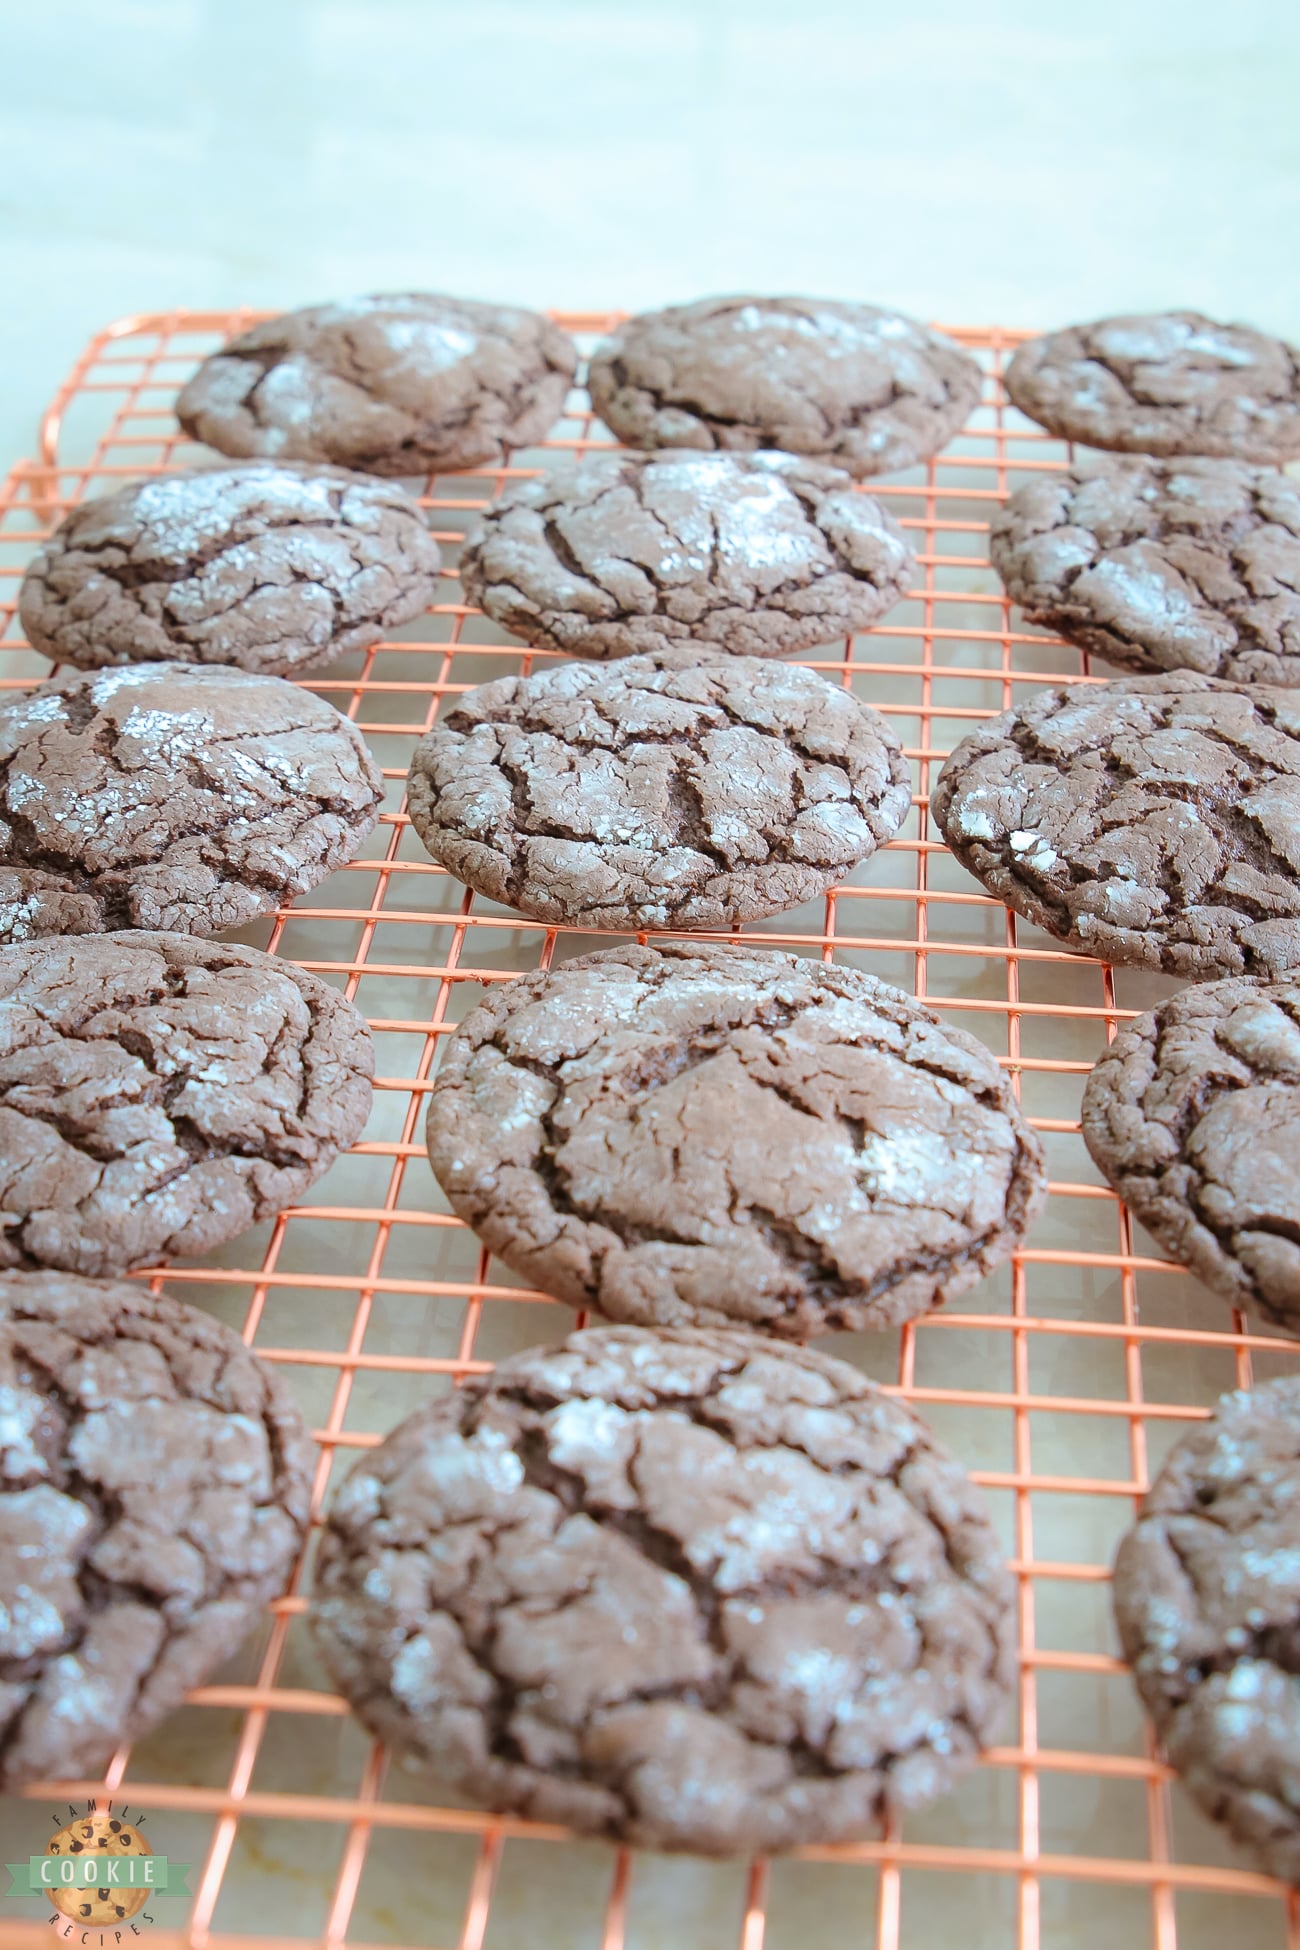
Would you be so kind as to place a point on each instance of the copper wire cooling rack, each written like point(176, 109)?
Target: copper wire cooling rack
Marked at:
point(1061, 1382)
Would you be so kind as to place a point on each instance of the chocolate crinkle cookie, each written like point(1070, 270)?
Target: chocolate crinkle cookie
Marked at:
point(1207, 1595)
point(1153, 820)
point(1193, 1114)
point(687, 1135)
point(173, 796)
point(681, 1590)
point(1164, 383)
point(658, 791)
point(159, 1095)
point(869, 389)
point(155, 1482)
point(404, 385)
point(758, 554)
point(271, 566)
point(1161, 565)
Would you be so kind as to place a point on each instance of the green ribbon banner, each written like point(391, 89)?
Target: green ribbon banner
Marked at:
point(40, 1874)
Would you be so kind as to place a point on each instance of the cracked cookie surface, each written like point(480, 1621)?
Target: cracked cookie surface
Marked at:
point(159, 1095)
point(173, 796)
point(760, 555)
point(1161, 565)
point(155, 1482)
point(396, 385)
point(692, 1135)
point(657, 791)
point(1193, 1114)
point(1153, 820)
point(682, 1590)
point(1164, 383)
point(870, 390)
point(270, 566)
point(1207, 1593)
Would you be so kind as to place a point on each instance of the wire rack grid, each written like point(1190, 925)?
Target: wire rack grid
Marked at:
point(1061, 1382)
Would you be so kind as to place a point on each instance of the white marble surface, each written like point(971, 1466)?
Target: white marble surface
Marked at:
point(1015, 160)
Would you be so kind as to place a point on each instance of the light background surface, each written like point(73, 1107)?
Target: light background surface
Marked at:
point(1004, 161)
point(993, 161)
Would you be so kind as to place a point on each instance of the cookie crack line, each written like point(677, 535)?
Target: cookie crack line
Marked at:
point(267, 357)
point(1220, 804)
point(201, 1148)
point(378, 384)
point(224, 831)
point(894, 399)
point(1164, 384)
point(134, 571)
point(142, 1105)
point(774, 801)
point(689, 744)
point(883, 1217)
point(1184, 887)
point(709, 599)
point(1274, 1645)
point(531, 1395)
point(659, 1546)
point(664, 1063)
point(838, 1293)
point(804, 561)
point(117, 901)
point(1129, 375)
point(1205, 1605)
point(722, 1720)
point(1146, 1186)
point(100, 1591)
point(1125, 506)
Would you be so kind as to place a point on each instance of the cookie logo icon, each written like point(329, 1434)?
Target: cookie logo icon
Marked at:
point(105, 1835)
point(95, 1875)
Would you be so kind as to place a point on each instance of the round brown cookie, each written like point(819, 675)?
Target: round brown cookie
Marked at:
point(1153, 820)
point(159, 1095)
point(658, 791)
point(155, 1482)
point(270, 566)
point(1193, 1114)
point(1164, 383)
point(691, 1135)
point(1207, 1598)
point(683, 1590)
point(870, 389)
point(408, 384)
point(761, 555)
point(169, 795)
point(1161, 565)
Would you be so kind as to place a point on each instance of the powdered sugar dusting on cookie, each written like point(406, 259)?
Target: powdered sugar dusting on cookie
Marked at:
point(396, 385)
point(867, 388)
point(94, 1558)
point(1207, 1585)
point(131, 784)
point(679, 1597)
point(753, 554)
